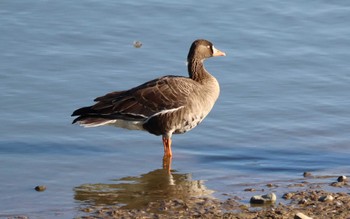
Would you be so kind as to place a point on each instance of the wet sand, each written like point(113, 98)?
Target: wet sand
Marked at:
point(308, 197)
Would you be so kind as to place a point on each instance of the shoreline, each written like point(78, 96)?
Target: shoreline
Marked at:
point(321, 196)
point(310, 197)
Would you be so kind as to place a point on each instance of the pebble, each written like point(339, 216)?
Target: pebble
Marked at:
point(288, 195)
point(263, 199)
point(337, 184)
point(307, 174)
point(302, 201)
point(19, 217)
point(326, 198)
point(40, 188)
point(137, 44)
point(271, 185)
point(250, 190)
point(87, 210)
point(341, 179)
point(339, 204)
point(301, 216)
point(297, 185)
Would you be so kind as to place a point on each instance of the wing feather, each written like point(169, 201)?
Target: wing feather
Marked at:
point(141, 102)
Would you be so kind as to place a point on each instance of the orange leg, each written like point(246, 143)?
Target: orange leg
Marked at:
point(167, 147)
point(167, 154)
point(167, 163)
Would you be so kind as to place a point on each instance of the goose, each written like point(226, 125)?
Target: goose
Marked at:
point(164, 106)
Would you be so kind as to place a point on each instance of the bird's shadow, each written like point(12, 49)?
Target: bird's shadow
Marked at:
point(136, 192)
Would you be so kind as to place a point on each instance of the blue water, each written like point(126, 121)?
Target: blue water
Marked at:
point(284, 106)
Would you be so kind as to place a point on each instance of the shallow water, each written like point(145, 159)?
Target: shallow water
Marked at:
point(283, 109)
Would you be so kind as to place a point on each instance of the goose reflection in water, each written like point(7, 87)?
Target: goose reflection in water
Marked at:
point(138, 192)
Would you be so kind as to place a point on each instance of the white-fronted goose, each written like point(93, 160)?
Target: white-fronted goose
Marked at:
point(164, 106)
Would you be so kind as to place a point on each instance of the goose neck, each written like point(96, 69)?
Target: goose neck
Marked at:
point(196, 70)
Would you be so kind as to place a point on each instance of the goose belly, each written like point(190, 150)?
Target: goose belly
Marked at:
point(189, 123)
point(191, 116)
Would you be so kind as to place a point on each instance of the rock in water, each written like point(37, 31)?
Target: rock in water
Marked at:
point(342, 179)
point(40, 188)
point(137, 44)
point(326, 198)
point(288, 195)
point(263, 199)
point(307, 174)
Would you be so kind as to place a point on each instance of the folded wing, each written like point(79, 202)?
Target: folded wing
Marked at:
point(137, 104)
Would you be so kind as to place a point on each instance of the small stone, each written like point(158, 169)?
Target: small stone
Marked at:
point(342, 179)
point(302, 201)
point(263, 199)
point(307, 174)
point(114, 212)
point(288, 195)
point(236, 198)
point(88, 210)
point(339, 204)
point(137, 44)
point(279, 212)
point(301, 216)
point(19, 217)
point(250, 190)
point(326, 198)
point(40, 188)
point(243, 207)
point(297, 185)
point(337, 184)
point(178, 202)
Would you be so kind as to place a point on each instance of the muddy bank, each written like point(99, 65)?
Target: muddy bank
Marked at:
point(213, 208)
point(310, 197)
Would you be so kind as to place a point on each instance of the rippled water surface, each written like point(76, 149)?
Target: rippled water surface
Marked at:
point(283, 109)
